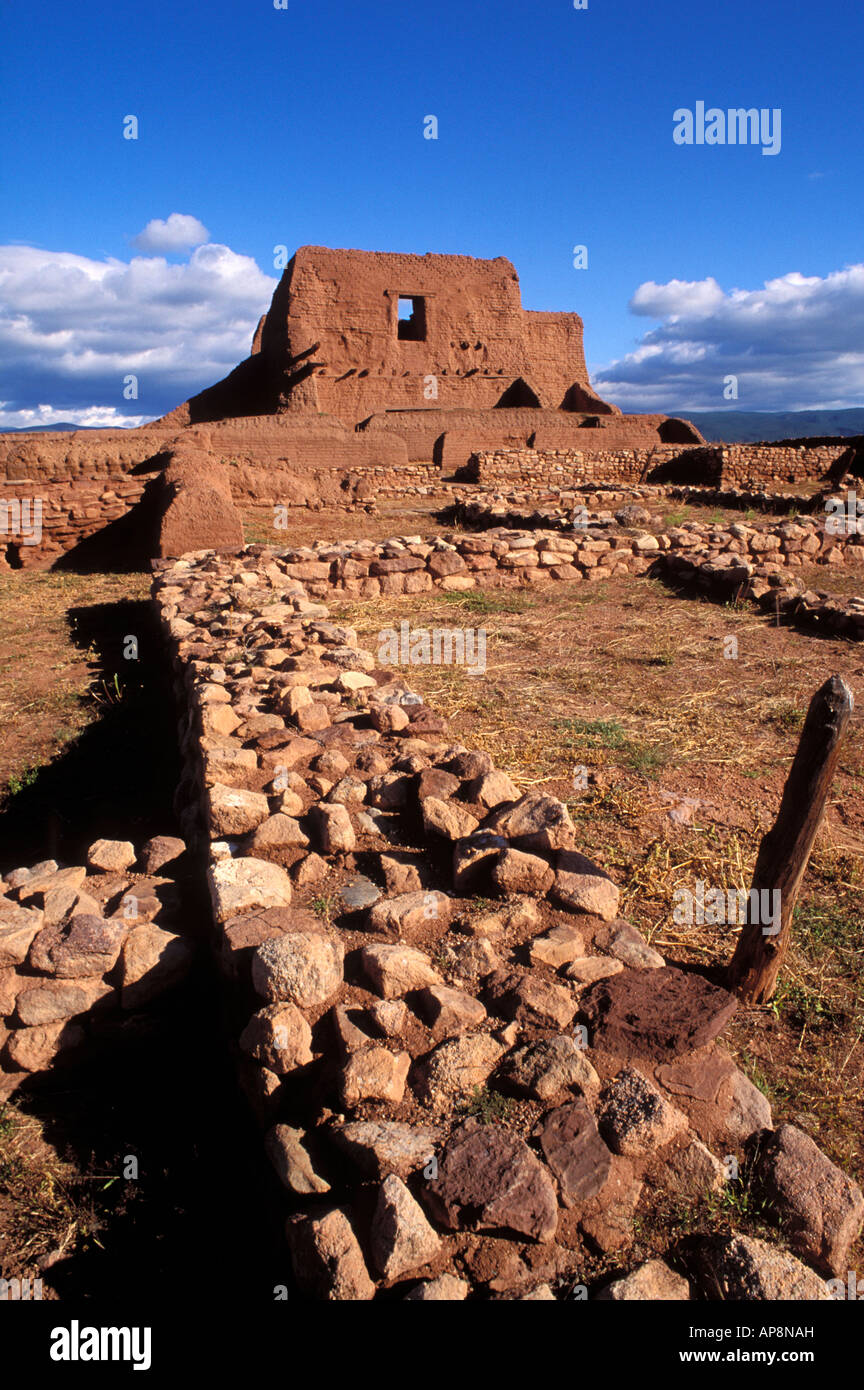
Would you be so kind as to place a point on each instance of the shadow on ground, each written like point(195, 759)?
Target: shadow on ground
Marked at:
point(117, 779)
point(201, 1218)
point(125, 544)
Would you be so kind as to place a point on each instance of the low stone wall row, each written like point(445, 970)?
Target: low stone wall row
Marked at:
point(453, 562)
point(569, 467)
point(413, 949)
point(754, 465)
point(750, 466)
point(745, 499)
point(553, 509)
point(746, 563)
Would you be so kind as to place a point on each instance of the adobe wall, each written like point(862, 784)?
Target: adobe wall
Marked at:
point(84, 455)
point(331, 342)
point(87, 482)
point(301, 444)
point(339, 310)
point(450, 437)
point(71, 512)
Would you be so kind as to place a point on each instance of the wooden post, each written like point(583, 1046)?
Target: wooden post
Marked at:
point(785, 850)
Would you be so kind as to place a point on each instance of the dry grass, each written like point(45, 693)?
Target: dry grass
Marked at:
point(48, 1208)
point(630, 681)
point(46, 679)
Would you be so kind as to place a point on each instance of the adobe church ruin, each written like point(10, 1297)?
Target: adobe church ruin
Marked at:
point(416, 349)
point(371, 373)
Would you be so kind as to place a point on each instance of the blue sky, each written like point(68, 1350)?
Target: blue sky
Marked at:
point(262, 127)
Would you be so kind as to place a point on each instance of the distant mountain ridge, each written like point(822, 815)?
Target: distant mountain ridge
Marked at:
point(62, 427)
point(753, 426)
point(728, 426)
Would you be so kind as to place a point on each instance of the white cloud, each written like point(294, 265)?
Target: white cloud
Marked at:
point(91, 417)
point(177, 233)
point(72, 328)
point(677, 297)
point(795, 344)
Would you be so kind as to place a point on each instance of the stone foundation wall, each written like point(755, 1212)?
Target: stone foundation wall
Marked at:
point(755, 465)
point(407, 939)
point(497, 559)
point(502, 468)
point(760, 565)
point(714, 465)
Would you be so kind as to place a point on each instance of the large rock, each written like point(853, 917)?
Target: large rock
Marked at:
point(18, 927)
point(575, 1152)
point(396, 970)
point(410, 912)
point(381, 1147)
point(278, 831)
point(587, 970)
point(489, 1180)
point(374, 1073)
point(111, 856)
point(821, 1210)
point(152, 960)
point(450, 1012)
point(536, 823)
point(235, 811)
point(606, 1220)
point(655, 1014)
point(473, 859)
point(278, 1037)
point(741, 1268)
point(327, 1259)
point(161, 851)
point(653, 1282)
point(581, 886)
point(723, 1105)
point(636, 1118)
point(236, 884)
point(402, 1239)
point(523, 997)
point(548, 1066)
point(625, 943)
point(284, 1147)
point(559, 946)
point(515, 871)
point(335, 831)
point(457, 1067)
point(693, 1169)
point(33, 1049)
point(447, 819)
point(304, 968)
point(48, 1001)
point(492, 789)
point(86, 945)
